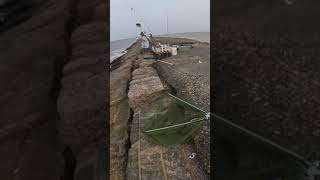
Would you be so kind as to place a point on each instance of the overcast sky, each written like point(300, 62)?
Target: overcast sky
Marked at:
point(184, 16)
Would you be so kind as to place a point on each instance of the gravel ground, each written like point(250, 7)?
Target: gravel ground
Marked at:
point(190, 79)
point(266, 70)
point(269, 87)
point(198, 36)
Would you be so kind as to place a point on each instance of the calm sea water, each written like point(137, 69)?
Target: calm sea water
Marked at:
point(118, 48)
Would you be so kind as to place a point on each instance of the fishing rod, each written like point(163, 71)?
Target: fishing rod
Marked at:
point(140, 19)
point(250, 133)
point(312, 169)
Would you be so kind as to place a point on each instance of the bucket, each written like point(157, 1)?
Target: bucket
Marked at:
point(174, 51)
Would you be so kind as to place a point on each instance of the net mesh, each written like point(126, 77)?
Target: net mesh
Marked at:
point(174, 122)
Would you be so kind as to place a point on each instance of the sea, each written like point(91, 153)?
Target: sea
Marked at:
point(118, 47)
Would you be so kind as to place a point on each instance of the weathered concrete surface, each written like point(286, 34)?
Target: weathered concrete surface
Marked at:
point(155, 161)
point(190, 79)
point(145, 159)
point(146, 63)
point(120, 115)
point(145, 87)
point(119, 83)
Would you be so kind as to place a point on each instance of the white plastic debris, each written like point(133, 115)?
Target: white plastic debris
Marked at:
point(192, 156)
point(208, 115)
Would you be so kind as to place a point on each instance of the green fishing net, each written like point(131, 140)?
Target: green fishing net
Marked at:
point(174, 122)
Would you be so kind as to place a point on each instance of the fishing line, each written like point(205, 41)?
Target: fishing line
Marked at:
point(313, 168)
point(140, 19)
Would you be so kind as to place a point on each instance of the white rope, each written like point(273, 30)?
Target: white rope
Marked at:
point(165, 62)
point(163, 165)
point(139, 147)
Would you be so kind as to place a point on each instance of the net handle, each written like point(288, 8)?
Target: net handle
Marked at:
point(195, 120)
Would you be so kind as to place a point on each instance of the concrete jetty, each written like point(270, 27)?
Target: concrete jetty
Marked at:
point(140, 89)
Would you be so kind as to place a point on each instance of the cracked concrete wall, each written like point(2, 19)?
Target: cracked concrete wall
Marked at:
point(147, 160)
point(120, 114)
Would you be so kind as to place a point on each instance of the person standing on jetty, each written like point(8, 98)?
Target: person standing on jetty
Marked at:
point(150, 39)
point(145, 44)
